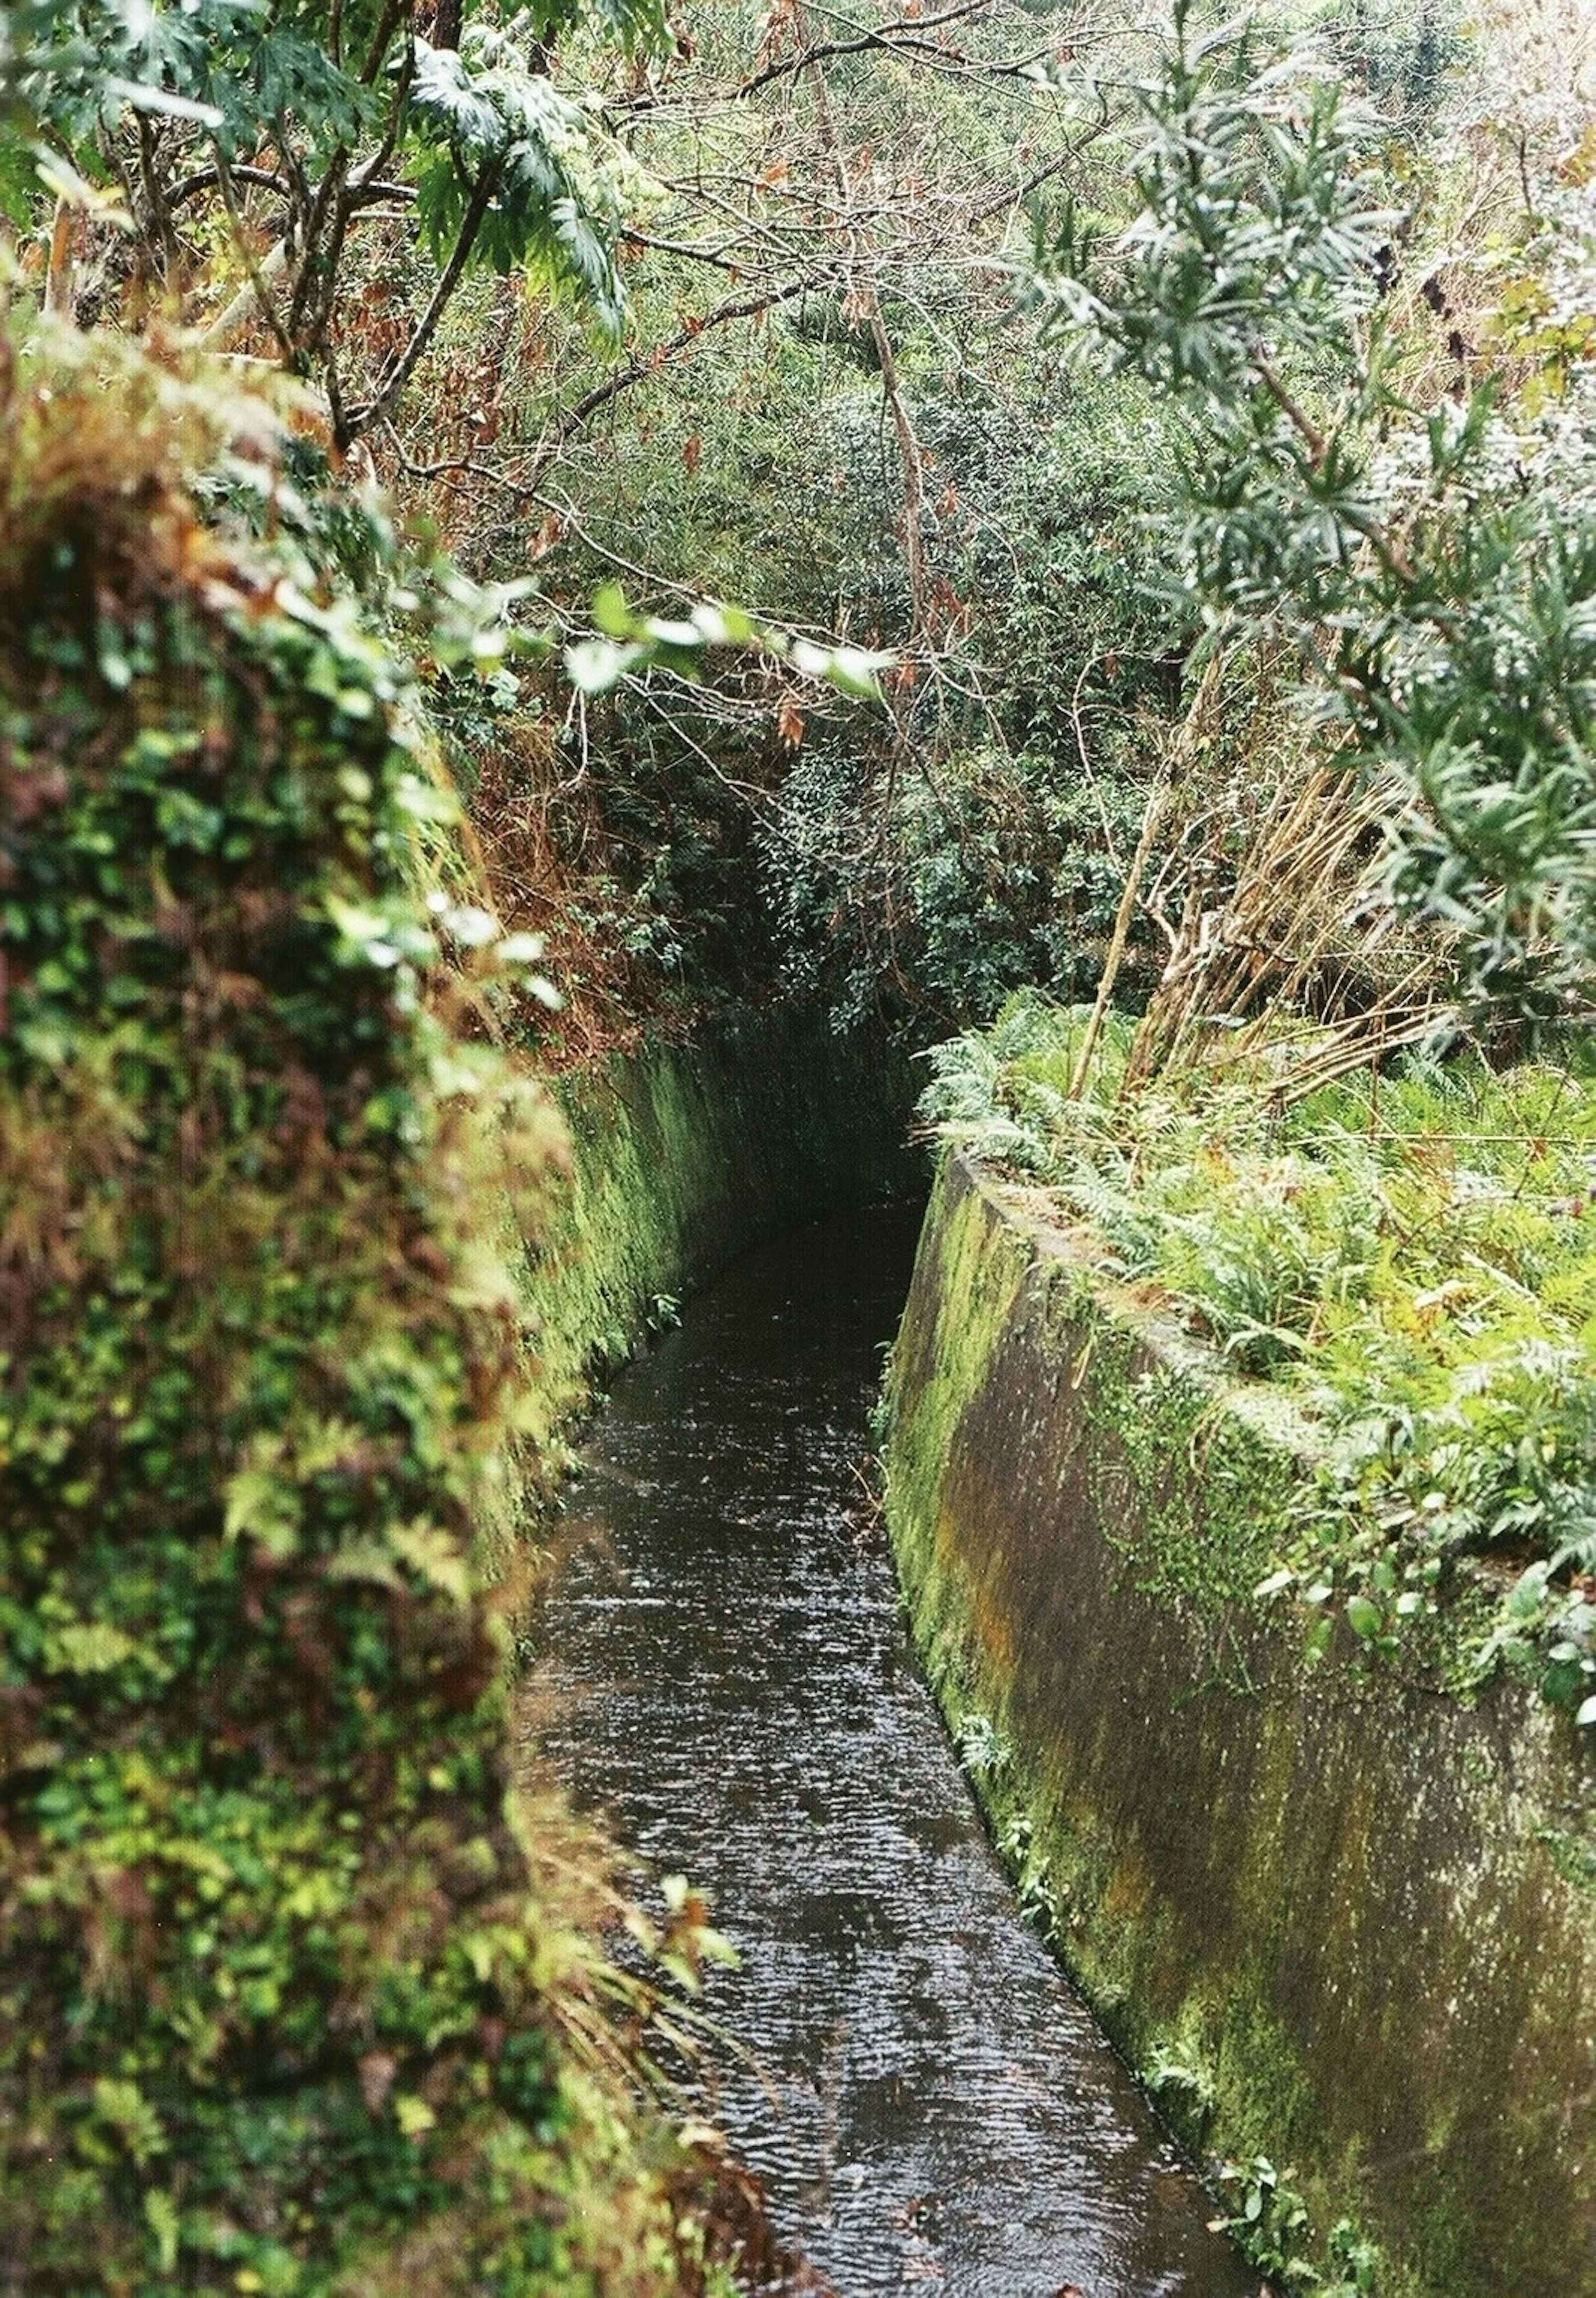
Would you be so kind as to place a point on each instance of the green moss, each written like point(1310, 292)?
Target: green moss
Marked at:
point(1574, 1854)
point(1294, 1881)
point(682, 1155)
point(1197, 1500)
point(285, 2002)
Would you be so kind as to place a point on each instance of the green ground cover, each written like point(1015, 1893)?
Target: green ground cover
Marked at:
point(1411, 1252)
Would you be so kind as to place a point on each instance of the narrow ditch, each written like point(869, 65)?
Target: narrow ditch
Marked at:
point(926, 2099)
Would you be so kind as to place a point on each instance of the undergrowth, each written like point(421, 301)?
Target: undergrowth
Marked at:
point(295, 1996)
point(1411, 1253)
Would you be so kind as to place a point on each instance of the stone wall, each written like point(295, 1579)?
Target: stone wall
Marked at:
point(682, 1155)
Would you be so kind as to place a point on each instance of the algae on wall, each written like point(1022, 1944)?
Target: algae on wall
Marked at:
point(682, 1155)
point(1330, 1911)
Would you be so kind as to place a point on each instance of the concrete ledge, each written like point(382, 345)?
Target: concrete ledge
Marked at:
point(1339, 1917)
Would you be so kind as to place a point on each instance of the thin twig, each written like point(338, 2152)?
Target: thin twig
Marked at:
point(912, 28)
point(640, 369)
point(362, 418)
point(260, 282)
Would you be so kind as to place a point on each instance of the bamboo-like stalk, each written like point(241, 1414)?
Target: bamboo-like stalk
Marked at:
point(1158, 806)
point(1239, 968)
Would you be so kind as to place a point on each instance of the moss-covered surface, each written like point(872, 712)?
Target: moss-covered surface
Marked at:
point(299, 1993)
point(683, 1155)
point(1336, 1914)
point(295, 1995)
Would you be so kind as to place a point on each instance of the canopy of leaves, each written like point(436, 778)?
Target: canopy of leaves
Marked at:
point(288, 122)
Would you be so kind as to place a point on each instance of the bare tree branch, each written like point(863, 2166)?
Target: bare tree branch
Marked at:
point(910, 29)
point(639, 370)
point(360, 418)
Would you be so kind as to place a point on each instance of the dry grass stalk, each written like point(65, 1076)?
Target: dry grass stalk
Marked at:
point(1298, 934)
point(1158, 806)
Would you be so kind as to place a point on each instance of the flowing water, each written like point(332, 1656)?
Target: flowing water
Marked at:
point(927, 2100)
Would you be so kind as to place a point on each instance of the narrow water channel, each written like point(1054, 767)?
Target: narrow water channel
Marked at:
point(925, 2097)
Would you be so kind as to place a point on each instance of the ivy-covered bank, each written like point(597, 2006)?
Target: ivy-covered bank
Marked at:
point(298, 1994)
point(1342, 1922)
point(299, 1990)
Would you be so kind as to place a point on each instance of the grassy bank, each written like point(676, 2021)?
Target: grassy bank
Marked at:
point(1407, 1256)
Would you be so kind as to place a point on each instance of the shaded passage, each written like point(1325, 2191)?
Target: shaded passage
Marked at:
point(931, 2103)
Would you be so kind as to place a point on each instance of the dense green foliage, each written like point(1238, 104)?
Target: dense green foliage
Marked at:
point(283, 2006)
point(1409, 1254)
point(1429, 553)
point(982, 844)
point(831, 410)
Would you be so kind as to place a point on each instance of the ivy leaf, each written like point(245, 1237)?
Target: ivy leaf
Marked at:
point(1364, 1617)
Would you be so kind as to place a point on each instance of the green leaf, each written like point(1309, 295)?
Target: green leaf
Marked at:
point(121, 2104)
point(1364, 1617)
point(435, 1556)
point(261, 1506)
point(594, 665)
point(160, 2215)
point(87, 1647)
point(520, 950)
point(852, 670)
point(611, 613)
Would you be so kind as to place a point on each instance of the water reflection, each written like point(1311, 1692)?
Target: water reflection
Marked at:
point(932, 2105)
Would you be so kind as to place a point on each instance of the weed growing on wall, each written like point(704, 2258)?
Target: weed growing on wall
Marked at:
point(284, 2006)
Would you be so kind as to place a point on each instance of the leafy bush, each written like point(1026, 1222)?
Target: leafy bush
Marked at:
point(941, 886)
point(1434, 565)
point(180, 120)
point(281, 2009)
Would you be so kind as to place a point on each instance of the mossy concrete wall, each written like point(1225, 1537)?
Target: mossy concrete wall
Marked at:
point(682, 1155)
point(1340, 1914)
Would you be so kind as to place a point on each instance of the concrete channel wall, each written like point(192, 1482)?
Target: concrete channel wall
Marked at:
point(684, 1154)
point(1336, 1915)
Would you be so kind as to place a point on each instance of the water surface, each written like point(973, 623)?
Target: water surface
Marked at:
point(930, 2102)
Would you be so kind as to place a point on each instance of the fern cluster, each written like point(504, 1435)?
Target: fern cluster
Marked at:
point(1413, 1254)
